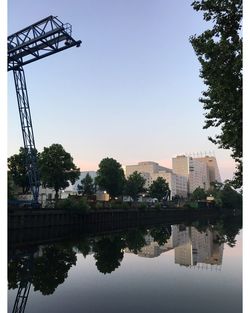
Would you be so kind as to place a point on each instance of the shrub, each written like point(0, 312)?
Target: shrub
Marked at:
point(142, 206)
point(99, 205)
point(125, 205)
point(76, 205)
point(157, 206)
point(116, 205)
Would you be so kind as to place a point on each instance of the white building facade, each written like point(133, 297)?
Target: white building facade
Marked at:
point(200, 172)
point(152, 170)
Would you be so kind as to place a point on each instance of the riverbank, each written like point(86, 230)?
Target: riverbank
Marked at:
point(36, 218)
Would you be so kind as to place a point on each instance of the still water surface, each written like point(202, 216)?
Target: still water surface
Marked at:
point(168, 268)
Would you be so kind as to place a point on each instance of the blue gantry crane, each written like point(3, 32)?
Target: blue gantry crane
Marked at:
point(39, 40)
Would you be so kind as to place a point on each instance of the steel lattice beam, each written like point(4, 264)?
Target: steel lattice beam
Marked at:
point(37, 41)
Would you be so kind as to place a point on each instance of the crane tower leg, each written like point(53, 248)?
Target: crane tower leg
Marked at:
point(21, 298)
point(27, 131)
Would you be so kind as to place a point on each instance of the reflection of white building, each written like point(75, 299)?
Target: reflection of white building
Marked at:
point(151, 251)
point(194, 247)
point(191, 248)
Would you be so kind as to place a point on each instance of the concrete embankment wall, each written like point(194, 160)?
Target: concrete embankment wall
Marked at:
point(30, 227)
point(36, 218)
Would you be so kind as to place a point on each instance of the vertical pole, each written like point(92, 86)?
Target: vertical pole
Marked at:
point(27, 132)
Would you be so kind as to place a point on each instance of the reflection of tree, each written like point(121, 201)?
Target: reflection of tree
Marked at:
point(51, 269)
point(201, 225)
point(18, 271)
point(135, 240)
point(161, 234)
point(83, 246)
point(108, 254)
point(227, 229)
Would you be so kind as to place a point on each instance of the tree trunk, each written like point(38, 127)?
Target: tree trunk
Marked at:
point(56, 195)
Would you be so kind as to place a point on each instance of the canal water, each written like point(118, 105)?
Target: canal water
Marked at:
point(193, 267)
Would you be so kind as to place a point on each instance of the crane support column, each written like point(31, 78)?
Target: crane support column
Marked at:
point(37, 41)
point(27, 131)
point(21, 298)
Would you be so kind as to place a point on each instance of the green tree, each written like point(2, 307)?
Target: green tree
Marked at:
point(110, 177)
point(11, 187)
point(159, 188)
point(198, 194)
point(134, 185)
point(230, 198)
point(87, 186)
point(215, 191)
point(219, 50)
point(57, 168)
point(18, 170)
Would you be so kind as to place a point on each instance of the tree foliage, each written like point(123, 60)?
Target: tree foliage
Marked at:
point(18, 170)
point(57, 168)
point(230, 198)
point(219, 51)
point(199, 194)
point(110, 177)
point(159, 188)
point(135, 185)
point(87, 187)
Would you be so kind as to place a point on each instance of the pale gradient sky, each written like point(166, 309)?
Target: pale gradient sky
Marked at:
point(129, 92)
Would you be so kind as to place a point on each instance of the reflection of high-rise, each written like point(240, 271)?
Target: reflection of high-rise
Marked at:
point(194, 247)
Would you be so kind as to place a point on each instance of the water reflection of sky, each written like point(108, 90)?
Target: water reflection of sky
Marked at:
point(148, 284)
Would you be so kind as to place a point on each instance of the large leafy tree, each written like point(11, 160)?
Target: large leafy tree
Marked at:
point(135, 185)
point(230, 198)
point(57, 168)
point(18, 170)
point(219, 51)
point(110, 177)
point(159, 188)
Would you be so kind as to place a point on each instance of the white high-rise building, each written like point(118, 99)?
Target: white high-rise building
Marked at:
point(212, 166)
point(196, 170)
point(152, 170)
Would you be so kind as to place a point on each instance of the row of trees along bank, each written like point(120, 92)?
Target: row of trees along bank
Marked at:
point(57, 170)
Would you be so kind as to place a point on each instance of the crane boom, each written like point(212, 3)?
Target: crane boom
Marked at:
point(38, 41)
